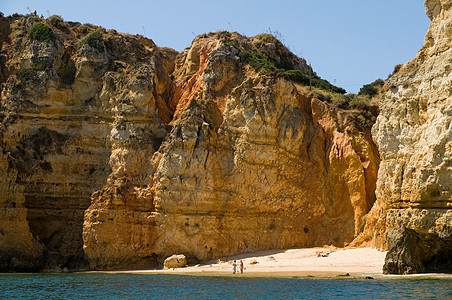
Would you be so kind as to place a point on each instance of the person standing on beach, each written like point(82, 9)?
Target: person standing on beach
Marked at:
point(241, 266)
point(234, 267)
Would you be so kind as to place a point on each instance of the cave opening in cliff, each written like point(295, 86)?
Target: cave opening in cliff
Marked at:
point(57, 185)
point(441, 262)
point(57, 226)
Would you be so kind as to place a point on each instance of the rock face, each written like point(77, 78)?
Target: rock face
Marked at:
point(252, 162)
point(414, 136)
point(419, 241)
point(117, 153)
point(68, 114)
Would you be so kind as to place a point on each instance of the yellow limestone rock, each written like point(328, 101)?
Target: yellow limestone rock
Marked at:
point(414, 136)
point(122, 154)
point(261, 167)
point(74, 120)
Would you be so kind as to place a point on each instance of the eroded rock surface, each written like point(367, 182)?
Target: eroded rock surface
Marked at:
point(117, 153)
point(252, 162)
point(414, 136)
point(71, 117)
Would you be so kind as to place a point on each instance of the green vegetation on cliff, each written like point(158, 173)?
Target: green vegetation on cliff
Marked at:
point(267, 55)
point(94, 40)
point(316, 81)
point(24, 73)
point(259, 61)
point(41, 32)
point(371, 89)
point(262, 64)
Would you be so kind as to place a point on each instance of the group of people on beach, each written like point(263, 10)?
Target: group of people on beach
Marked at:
point(234, 266)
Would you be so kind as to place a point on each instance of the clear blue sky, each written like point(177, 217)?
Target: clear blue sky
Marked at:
point(349, 42)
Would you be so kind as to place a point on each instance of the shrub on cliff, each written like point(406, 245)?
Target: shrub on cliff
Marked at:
point(24, 73)
point(94, 40)
point(361, 102)
point(265, 38)
point(321, 95)
point(316, 81)
point(224, 35)
point(193, 103)
point(259, 61)
point(83, 29)
point(369, 90)
point(325, 85)
point(41, 32)
point(278, 60)
point(396, 69)
point(342, 101)
point(297, 76)
point(56, 21)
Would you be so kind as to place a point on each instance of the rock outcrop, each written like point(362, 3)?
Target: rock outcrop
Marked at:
point(117, 153)
point(74, 118)
point(252, 162)
point(414, 137)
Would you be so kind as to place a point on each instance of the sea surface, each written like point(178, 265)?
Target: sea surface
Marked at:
point(145, 286)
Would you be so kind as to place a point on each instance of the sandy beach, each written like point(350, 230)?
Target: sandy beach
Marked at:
point(318, 262)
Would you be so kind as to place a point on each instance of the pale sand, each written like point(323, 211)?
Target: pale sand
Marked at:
point(289, 263)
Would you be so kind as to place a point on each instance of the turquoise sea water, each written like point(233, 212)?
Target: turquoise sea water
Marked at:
point(133, 286)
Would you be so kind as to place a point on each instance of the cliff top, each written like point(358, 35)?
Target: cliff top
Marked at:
point(261, 55)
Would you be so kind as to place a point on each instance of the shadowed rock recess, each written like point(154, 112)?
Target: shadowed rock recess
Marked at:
point(117, 153)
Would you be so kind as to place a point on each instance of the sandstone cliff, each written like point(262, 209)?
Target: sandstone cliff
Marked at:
point(68, 106)
point(414, 137)
point(117, 153)
point(252, 162)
